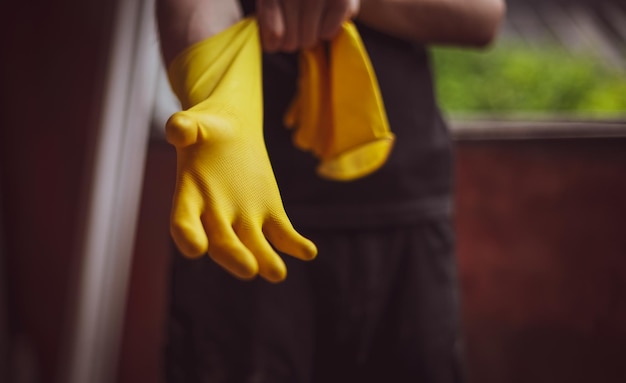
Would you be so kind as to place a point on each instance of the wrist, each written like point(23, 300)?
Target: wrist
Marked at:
point(182, 23)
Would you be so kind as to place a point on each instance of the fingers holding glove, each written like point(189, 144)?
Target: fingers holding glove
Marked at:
point(290, 25)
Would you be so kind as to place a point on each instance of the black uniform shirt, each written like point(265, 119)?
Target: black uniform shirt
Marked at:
point(416, 181)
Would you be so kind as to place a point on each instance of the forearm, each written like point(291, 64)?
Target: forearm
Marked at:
point(182, 23)
point(447, 22)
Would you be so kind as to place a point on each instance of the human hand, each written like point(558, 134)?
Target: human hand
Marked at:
point(290, 25)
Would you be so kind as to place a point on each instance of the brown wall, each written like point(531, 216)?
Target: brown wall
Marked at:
point(542, 253)
point(52, 59)
point(542, 258)
point(140, 358)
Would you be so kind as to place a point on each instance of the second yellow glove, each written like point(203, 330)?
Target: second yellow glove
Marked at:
point(338, 113)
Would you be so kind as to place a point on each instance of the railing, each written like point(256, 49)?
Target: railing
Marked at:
point(579, 25)
point(536, 128)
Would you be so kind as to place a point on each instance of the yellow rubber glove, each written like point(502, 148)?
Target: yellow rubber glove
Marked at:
point(338, 112)
point(226, 199)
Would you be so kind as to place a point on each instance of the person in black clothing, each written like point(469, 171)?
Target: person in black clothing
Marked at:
point(380, 303)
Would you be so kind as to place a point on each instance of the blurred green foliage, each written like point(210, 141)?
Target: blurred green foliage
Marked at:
point(511, 78)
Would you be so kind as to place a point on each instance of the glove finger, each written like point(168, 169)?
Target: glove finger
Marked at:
point(186, 227)
point(271, 265)
point(181, 130)
point(282, 235)
point(227, 250)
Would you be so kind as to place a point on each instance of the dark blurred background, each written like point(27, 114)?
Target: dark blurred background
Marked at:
point(539, 122)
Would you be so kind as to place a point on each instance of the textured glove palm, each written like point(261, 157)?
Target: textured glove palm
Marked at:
point(226, 199)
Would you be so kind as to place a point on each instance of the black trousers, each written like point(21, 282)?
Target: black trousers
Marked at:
point(377, 305)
